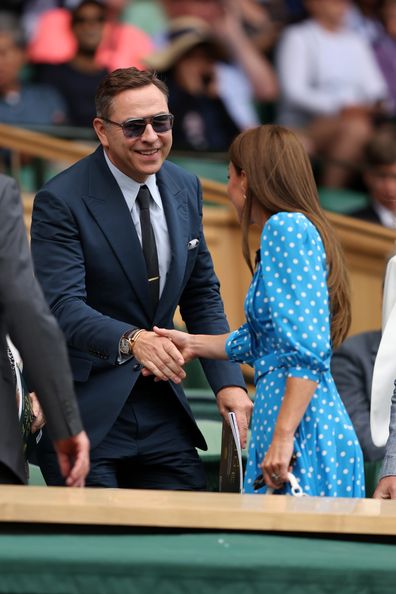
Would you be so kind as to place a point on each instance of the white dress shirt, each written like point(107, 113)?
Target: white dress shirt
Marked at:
point(386, 216)
point(130, 189)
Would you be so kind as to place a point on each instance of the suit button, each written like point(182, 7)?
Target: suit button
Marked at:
point(137, 367)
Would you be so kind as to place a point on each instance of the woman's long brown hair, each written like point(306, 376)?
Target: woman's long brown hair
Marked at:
point(280, 179)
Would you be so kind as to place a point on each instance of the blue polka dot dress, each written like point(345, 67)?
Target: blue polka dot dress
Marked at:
point(287, 334)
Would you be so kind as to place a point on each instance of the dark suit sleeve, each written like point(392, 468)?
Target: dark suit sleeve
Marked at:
point(60, 267)
point(202, 310)
point(29, 323)
point(351, 367)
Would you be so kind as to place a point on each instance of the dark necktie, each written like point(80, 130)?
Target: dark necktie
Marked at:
point(148, 244)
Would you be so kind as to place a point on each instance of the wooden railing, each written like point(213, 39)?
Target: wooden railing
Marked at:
point(366, 246)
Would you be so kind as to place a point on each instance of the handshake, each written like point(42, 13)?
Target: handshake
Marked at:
point(163, 353)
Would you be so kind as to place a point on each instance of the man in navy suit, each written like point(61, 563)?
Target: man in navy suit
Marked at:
point(87, 248)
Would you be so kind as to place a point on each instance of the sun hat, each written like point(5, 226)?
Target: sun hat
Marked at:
point(184, 33)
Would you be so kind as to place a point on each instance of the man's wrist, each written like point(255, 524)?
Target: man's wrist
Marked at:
point(127, 341)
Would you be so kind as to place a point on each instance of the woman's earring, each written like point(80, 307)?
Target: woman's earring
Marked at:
point(244, 196)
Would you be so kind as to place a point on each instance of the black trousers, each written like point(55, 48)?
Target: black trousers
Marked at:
point(150, 446)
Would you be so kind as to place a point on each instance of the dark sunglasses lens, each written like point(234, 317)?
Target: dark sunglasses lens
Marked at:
point(134, 128)
point(90, 20)
point(162, 123)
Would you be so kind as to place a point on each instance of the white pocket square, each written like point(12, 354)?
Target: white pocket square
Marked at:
point(193, 244)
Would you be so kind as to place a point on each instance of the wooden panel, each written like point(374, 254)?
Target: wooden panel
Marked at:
point(220, 511)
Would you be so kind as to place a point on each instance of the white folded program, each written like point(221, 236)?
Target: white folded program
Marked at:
point(384, 373)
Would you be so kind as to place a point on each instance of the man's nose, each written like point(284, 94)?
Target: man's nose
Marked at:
point(149, 134)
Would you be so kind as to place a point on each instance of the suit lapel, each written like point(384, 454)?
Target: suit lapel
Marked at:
point(174, 199)
point(109, 209)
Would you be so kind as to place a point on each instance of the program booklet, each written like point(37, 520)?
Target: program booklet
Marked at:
point(231, 470)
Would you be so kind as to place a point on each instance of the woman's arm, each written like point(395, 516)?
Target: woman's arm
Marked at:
point(191, 346)
point(298, 394)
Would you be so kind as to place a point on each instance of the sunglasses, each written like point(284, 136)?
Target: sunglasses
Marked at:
point(80, 20)
point(135, 127)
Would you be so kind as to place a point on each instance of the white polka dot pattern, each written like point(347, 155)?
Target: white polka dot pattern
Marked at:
point(287, 334)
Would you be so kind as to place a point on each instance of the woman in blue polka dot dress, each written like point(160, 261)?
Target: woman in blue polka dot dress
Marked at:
point(296, 309)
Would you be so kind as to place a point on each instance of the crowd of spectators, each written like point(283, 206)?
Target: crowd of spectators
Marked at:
point(325, 68)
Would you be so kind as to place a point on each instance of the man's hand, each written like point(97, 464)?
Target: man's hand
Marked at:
point(73, 458)
point(234, 399)
point(38, 415)
point(159, 356)
point(386, 488)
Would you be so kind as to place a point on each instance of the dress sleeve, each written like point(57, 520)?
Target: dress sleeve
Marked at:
point(239, 345)
point(294, 273)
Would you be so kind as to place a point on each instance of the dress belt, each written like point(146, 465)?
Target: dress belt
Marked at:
point(266, 364)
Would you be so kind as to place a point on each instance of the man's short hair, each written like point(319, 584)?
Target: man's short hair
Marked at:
point(124, 79)
point(381, 149)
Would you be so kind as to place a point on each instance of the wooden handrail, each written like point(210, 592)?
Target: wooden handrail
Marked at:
point(36, 144)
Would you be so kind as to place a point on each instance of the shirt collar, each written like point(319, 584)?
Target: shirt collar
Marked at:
point(386, 216)
point(129, 187)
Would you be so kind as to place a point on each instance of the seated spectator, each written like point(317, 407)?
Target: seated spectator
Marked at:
point(23, 103)
point(187, 64)
point(380, 178)
point(33, 9)
point(247, 77)
point(78, 79)
point(331, 88)
point(260, 22)
point(352, 367)
point(385, 50)
point(122, 45)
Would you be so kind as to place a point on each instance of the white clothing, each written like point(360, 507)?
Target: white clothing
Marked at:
point(370, 29)
point(236, 93)
point(385, 365)
point(320, 72)
point(386, 216)
point(130, 189)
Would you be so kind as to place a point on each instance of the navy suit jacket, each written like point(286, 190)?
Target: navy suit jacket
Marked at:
point(90, 264)
point(367, 214)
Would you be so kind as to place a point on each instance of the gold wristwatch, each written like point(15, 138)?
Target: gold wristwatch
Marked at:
point(128, 340)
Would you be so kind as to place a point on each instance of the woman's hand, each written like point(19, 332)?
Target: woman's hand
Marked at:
point(182, 340)
point(276, 463)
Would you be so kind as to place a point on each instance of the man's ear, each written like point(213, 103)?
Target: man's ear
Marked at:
point(100, 130)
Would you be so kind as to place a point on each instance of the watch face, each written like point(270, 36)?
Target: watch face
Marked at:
point(124, 346)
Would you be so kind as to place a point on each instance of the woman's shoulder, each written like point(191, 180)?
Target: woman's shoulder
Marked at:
point(287, 222)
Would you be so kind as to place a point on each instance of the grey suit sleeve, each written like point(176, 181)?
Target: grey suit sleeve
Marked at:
point(389, 464)
point(351, 367)
point(29, 323)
